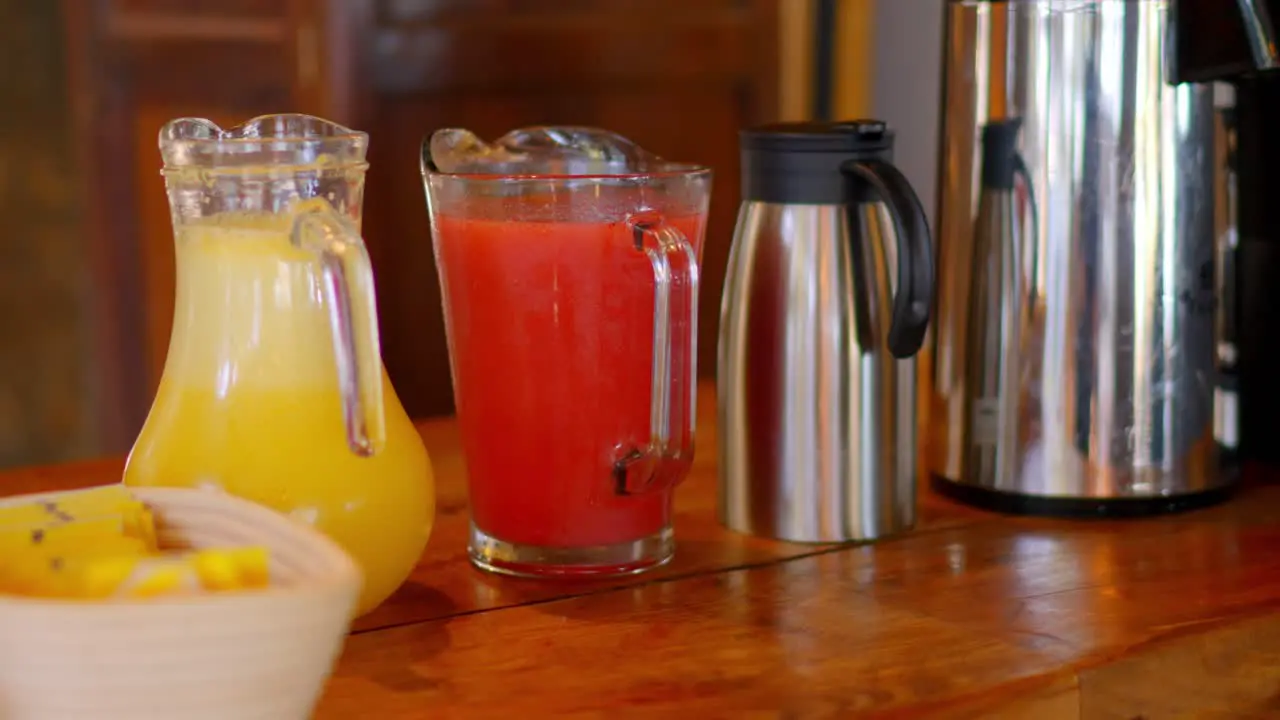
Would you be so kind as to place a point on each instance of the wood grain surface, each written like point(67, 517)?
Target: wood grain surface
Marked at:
point(973, 615)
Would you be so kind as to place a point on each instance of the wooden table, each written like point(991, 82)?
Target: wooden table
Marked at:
point(974, 615)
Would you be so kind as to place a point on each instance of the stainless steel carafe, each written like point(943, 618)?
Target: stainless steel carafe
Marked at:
point(827, 299)
point(1098, 395)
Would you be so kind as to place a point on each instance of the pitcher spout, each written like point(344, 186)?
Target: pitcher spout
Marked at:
point(288, 139)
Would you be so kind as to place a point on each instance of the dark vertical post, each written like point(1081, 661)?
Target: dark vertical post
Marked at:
point(824, 45)
point(1258, 293)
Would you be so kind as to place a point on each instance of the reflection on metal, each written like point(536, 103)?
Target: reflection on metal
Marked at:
point(1261, 33)
point(817, 422)
point(1109, 389)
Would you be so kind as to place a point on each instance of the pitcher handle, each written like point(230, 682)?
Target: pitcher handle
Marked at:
point(347, 280)
point(673, 390)
point(914, 298)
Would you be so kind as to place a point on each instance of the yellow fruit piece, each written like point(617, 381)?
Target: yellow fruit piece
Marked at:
point(40, 560)
point(61, 573)
point(233, 568)
point(34, 575)
point(107, 576)
point(213, 570)
point(112, 501)
point(99, 507)
point(81, 535)
point(101, 577)
point(143, 527)
point(101, 543)
point(65, 506)
point(158, 579)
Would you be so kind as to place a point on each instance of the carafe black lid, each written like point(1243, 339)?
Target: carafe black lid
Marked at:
point(848, 136)
point(799, 162)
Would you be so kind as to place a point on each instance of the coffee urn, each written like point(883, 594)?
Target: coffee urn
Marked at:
point(1071, 370)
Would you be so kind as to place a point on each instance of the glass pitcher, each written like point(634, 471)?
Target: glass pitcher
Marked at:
point(570, 280)
point(273, 388)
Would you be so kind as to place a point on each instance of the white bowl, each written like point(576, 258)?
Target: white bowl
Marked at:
point(236, 656)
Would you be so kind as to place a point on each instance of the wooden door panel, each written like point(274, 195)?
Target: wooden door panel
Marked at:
point(178, 58)
point(680, 84)
point(546, 56)
point(261, 21)
point(661, 11)
point(680, 78)
point(247, 77)
point(194, 10)
point(398, 235)
point(133, 65)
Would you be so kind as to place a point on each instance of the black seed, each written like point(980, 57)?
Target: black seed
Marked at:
point(53, 509)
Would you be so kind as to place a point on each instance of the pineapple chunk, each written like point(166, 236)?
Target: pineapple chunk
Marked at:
point(233, 568)
point(49, 567)
point(89, 535)
point(209, 570)
point(37, 575)
point(66, 506)
point(157, 577)
point(104, 503)
point(101, 543)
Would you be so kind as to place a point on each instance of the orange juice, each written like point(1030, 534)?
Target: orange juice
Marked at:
point(249, 402)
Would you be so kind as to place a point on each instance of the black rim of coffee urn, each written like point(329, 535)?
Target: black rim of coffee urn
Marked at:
point(1078, 507)
point(795, 162)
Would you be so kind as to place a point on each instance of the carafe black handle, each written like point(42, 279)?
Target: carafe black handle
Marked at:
point(913, 300)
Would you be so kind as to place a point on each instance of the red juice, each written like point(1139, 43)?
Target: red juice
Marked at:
point(550, 330)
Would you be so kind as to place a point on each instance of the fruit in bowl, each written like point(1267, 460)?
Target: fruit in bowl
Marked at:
point(137, 603)
point(101, 543)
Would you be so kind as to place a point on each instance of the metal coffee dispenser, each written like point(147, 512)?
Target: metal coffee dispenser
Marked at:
point(1071, 367)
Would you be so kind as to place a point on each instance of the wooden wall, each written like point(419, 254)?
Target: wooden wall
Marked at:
point(854, 61)
point(45, 353)
point(679, 77)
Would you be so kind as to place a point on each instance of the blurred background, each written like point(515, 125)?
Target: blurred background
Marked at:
point(86, 265)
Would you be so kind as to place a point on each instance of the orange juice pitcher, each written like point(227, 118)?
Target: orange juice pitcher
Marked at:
point(273, 388)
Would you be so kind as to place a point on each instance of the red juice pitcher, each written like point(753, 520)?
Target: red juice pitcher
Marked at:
point(568, 261)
